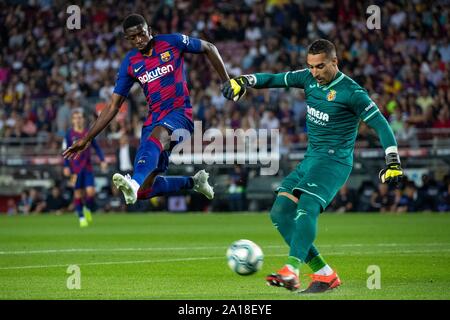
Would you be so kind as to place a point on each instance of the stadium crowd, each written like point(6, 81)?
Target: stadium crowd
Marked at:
point(47, 70)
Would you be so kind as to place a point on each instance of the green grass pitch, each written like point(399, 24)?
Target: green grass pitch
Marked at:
point(182, 256)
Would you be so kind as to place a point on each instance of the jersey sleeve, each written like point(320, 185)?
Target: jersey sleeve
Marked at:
point(384, 131)
point(362, 105)
point(297, 78)
point(124, 81)
point(66, 143)
point(187, 44)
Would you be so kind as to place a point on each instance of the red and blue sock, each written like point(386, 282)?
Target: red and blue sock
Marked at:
point(164, 185)
point(147, 159)
point(79, 207)
point(90, 203)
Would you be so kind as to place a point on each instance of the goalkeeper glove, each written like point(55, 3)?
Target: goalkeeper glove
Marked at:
point(393, 173)
point(235, 88)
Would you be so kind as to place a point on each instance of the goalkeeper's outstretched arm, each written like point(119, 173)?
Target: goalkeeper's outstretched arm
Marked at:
point(236, 87)
point(393, 171)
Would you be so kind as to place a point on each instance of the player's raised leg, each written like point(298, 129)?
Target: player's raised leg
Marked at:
point(128, 186)
point(148, 155)
point(164, 185)
point(153, 142)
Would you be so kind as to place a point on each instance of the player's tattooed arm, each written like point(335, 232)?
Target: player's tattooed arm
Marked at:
point(215, 58)
point(102, 121)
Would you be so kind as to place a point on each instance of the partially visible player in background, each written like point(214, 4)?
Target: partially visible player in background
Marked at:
point(335, 106)
point(157, 64)
point(80, 170)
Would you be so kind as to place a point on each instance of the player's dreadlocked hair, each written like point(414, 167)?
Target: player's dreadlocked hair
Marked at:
point(322, 46)
point(133, 20)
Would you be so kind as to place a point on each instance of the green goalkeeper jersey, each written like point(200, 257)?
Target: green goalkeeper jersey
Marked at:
point(333, 111)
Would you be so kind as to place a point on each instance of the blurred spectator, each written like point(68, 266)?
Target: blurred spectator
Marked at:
point(37, 204)
point(24, 204)
point(444, 200)
point(177, 203)
point(115, 201)
point(443, 119)
point(236, 188)
point(365, 192)
point(408, 201)
point(125, 155)
point(11, 207)
point(428, 193)
point(269, 120)
point(382, 200)
point(55, 201)
point(345, 200)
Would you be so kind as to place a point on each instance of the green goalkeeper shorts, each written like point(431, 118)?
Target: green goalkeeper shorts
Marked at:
point(321, 178)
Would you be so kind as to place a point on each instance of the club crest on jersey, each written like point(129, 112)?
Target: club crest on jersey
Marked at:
point(165, 56)
point(331, 95)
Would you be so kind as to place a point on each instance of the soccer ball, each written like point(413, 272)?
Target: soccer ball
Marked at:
point(245, 257)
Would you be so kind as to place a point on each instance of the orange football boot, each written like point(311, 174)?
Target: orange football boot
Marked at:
point(321, 283)
point(284, 278)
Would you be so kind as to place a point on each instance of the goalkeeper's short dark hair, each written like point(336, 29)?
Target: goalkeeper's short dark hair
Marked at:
point(133, 20)
point(322, 46)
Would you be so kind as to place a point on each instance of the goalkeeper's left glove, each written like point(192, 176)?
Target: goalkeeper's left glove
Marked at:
point(235, 88)
point(393, 173)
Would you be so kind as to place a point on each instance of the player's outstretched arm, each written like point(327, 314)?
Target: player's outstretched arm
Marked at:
point(235, 88)
point(102, 121)
point(215, 58)
point(393, 172)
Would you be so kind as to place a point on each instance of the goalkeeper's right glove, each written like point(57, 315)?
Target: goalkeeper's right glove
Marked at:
point(235, 88)
point(393, 173)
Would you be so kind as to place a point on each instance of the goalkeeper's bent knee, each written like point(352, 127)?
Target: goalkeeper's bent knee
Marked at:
point(283, 210)
point(308, 204)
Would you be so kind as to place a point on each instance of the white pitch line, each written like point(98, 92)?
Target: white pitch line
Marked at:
point(81, 250)
point(70, 250)
point(210, 258)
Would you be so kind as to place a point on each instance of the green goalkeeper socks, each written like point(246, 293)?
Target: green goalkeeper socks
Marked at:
point(282, 215)
point(308, 211)
point(294, 263)
point(317, 263)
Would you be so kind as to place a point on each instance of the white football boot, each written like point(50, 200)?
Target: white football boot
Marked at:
point(201, 184)
point(128, 186)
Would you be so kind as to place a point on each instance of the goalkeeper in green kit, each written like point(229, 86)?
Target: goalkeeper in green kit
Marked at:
point(335, 106)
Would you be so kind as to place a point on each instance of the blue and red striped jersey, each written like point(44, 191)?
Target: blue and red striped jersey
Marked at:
point(161, 75)
point(84, 160)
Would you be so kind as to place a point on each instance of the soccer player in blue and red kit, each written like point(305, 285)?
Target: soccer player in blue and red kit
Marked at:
point(80, 170)
point(156, 63)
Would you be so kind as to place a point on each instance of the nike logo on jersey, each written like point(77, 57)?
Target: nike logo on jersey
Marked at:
point(136, 70)
point(312, 85)
point(168, 125)
point(312, 185)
